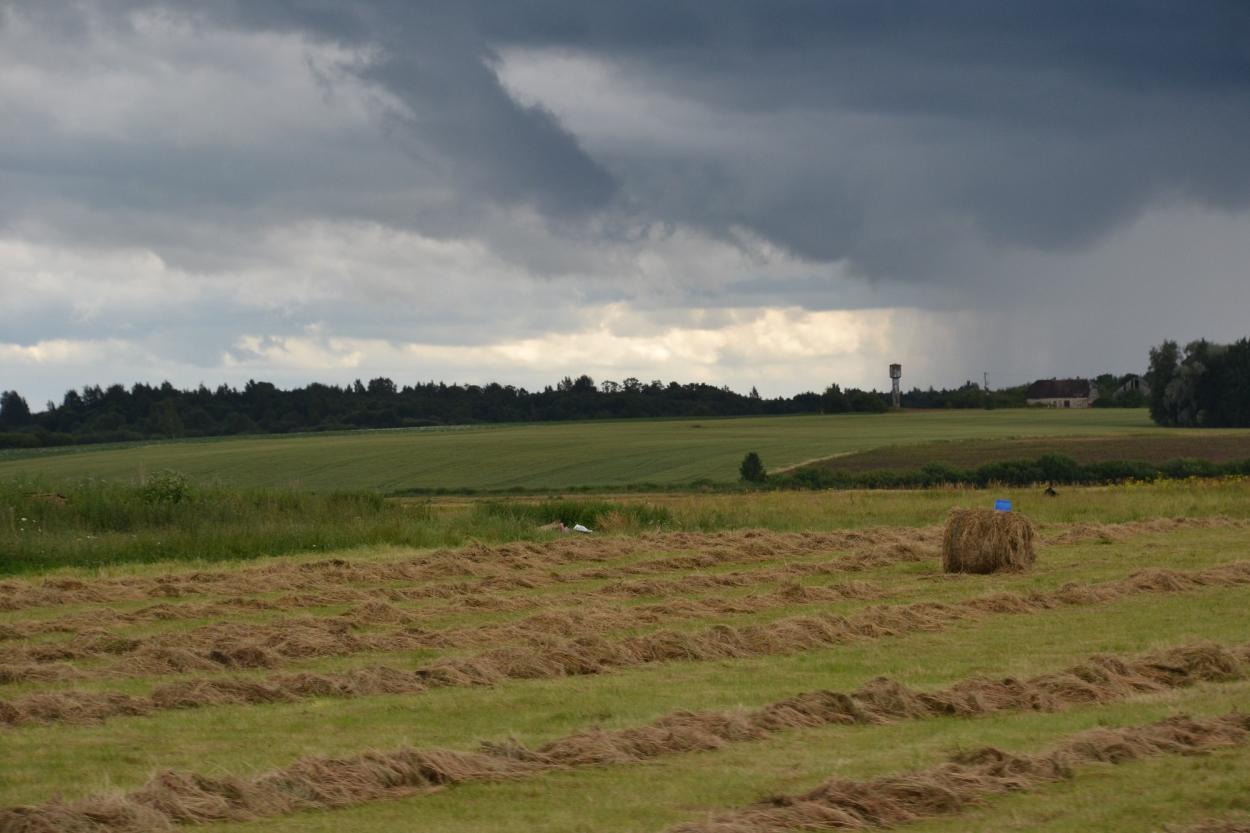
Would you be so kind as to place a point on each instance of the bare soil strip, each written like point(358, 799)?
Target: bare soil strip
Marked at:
point(969, 778)
point(172, 798)
point(555, 656)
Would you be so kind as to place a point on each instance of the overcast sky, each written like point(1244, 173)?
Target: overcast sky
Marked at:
point(746, 192)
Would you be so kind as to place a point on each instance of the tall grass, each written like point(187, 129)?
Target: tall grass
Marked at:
point(94, 523)
point(594, 514)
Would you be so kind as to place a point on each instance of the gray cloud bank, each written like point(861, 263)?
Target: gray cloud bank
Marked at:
point(176, 179)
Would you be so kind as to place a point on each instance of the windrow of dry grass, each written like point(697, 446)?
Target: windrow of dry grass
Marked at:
point(564, 643)
point(476, 561)
point(242, 645)
point(969, 778)
point(492, 595)
point(375, 606)
point(173, 798)
point(492, 567)
point(671, 643)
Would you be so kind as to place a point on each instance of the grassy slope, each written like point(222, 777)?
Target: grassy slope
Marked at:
point(559, 455)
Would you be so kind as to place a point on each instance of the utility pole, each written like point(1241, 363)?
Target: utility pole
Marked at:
point(987, 381)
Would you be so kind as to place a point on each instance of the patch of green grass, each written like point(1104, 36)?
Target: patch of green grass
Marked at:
point(557, 455)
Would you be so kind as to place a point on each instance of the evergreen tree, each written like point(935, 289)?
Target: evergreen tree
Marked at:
point(752, 470)
point(14, 412)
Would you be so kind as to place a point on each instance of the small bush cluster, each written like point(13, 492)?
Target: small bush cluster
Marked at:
point(167, 486)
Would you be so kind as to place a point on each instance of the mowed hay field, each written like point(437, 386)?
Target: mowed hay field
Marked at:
point(663, 681)
point(554, 455)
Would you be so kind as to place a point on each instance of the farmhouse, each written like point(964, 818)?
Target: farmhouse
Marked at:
point(1062, 393)
point(1133, 383)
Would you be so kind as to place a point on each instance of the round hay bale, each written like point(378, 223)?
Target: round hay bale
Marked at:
point(987, 541)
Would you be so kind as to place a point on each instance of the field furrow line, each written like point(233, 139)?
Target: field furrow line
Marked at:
point(171, 798)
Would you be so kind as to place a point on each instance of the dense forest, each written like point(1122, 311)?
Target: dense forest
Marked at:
point(119, 414)
point(1206, 385)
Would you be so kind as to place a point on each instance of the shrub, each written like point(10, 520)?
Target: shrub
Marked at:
point(941, 474)
point(1183, 467)
point(14, 439)
point(166, 486)
point(1059, 468)
point(1008, 473)
point(752, 470)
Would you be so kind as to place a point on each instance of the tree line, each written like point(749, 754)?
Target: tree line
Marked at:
point(115, 413)
point(1206, 384)
point(118, 414)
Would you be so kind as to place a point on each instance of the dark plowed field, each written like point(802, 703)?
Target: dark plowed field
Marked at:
point(968, 454)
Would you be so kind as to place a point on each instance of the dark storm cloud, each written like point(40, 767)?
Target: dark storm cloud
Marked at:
point(1042, 124)
point(454, 120)
point(923, 129)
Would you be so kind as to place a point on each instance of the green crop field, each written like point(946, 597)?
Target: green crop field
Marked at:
point(554, 455)
point(662, 683)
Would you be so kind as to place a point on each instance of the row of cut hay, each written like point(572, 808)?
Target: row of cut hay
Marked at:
point(271, 645)
point(375, 606)
point(593, 655)
point(76, 706)
point(1007, 544)
point(478, 561)
point(584, 655)
point(1078, 533)
point(474, 561)
point(971, 777)
point(191, 798)
point(482, 595)
point(976, 540)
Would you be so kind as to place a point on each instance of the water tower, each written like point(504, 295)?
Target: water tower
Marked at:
point(896, 372)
